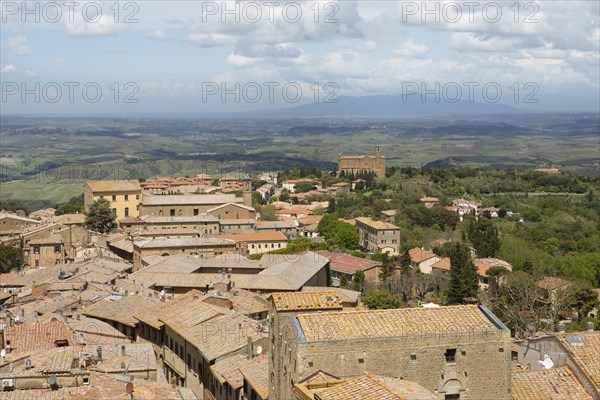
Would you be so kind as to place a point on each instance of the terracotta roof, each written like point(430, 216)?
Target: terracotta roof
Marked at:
point(556, 384)
point(325, 300)
point(228, 369)
point(70, 219)
point(114, 186)
point(418, 255)
point(257, 375)
point(13, 280)
point(5, 214)
point(366, 387)
point(552, 283)
point(36, 336)
point(122, 310)
point(586, 354)
point(376, 224)
point(188, 242)
point(257, 237)
point(443, 264)
point(198, 199)
point(243, 206)
point(275, 225)
point(393, 323)
point(346, 295)
point(429, 199)
point(347, 263)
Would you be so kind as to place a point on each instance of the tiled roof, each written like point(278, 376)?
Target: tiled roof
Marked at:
point(347, 263)
point(443, 264)
point(228, 369)
point(275, 225)
point(325, 300)
point(429, 199)
point(69, 219)
point(393, 323)
point(257, 375)
point(183, 242)
point(555, 384)
point(243, 206)
point(198, 199)
point(552, 283)
point(587, 355)
point(122, 310)
point(36, 336)
point(346, 295)
point(257, 237)
point(367, 387)
point(114, 186)
point(13, 280)
point(5, 214)
point(418, 255)
point(376, 224)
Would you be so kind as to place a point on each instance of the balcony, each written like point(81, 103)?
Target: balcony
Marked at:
point(173, 361)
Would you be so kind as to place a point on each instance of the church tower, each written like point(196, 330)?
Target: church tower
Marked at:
point(247, 195)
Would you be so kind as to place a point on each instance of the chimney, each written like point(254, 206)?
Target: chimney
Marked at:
point(99, 352)
point(122, 349)
point(250, 348)
point(590, 326)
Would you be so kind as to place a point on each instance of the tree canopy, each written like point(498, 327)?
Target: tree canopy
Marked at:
point(100, 217)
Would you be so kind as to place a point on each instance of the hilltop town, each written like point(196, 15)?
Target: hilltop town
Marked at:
point(370, 281)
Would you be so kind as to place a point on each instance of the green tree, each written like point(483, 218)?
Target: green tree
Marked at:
point(69, 209)
point(381, 300)
point(343, 281)
point(582, 299)
point(387, 270)
point(484, 236)
point(358, 281)
point(463, 275)
point(331, 206)
point(284, 195)
point(267, 213)
point(100, 217)
point(406, 277)
point(10, 258)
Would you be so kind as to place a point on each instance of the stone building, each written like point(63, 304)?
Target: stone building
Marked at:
point(378, 236)
point(456, 352)
point(358, 164)
point(186, 205)
point(123, 196)
point(13, 224)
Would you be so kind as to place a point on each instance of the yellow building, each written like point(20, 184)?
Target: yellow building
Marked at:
point(123, 196)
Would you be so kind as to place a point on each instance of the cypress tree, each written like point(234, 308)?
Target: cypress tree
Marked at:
point(464, 282)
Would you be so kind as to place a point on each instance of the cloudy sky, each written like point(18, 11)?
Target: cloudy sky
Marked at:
point(193, 56)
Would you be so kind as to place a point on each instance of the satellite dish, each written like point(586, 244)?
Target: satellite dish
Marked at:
point(27, 363)
point(259, 350)
point(162, 293)
point(17, 318)
point(3, 353)
point(547, 363)
point(52, 380)
point(129, 388)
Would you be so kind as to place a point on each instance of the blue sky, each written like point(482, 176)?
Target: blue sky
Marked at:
point(170, 52)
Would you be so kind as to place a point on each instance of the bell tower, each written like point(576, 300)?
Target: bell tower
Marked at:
point(247, 194)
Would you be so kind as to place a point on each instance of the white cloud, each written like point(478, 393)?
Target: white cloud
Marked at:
point(30, 74)
point(411, 49)
point(18, 45)
point(157, 35)
point(9, 69)
point(239, 61)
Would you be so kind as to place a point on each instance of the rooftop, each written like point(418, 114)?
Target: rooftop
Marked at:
point(257, 237)
point(347, 263)
point(379, 225)
point(587, 355)
point(443, 264)
point(114, 186)
point(36, 336)
point(418, 255)
point(396, 322)
point(556, 384)
point(188, 242)
point(122, 310)
point(197, 199)
point(367, 387)
point(293, 301)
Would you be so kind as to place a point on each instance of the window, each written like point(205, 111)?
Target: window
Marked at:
point(114, 210)
point(126, 197)
point(196, 211)
point(57, 249)
point(137, 207)
point(452, 397)
point(172, 212)
point(137, 196)
point(450, 355)
point(36, 249)
point(114, 198)
point(127, 211)
point(361, 360)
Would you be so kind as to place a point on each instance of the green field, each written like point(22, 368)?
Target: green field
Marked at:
point(44, 161)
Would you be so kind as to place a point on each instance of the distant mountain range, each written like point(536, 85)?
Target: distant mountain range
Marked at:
point(391, 106)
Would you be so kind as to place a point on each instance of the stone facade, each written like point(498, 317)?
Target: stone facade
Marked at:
point(358, 164)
